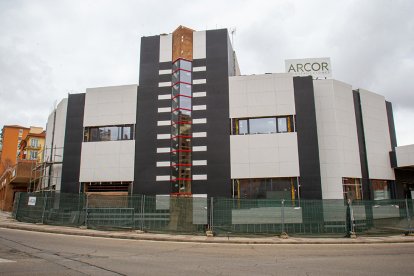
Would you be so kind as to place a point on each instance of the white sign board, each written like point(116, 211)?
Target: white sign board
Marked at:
point(315, 67)
point(32, 201)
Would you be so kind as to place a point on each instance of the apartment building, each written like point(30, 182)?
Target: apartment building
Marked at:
point(194, 126)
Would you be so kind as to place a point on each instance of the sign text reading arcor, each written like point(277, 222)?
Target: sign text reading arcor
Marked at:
point(315, 67)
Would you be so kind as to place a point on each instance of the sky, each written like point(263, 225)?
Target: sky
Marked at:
point(51, 48)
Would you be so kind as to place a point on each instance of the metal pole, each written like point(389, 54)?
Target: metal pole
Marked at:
point(283, 216)
point(211, 213)
point(17, 205)
point(408, 215)
point(142, 211)
point(44, 207)
point(86, 210)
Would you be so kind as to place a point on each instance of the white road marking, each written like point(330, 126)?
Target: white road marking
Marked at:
point(6, 261)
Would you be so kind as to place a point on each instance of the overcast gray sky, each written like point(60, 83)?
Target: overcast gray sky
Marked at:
point(51, 48)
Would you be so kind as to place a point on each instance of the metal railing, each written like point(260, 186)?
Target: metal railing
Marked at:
point(223, 216)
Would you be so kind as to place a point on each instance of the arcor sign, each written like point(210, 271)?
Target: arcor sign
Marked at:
point(315, 67)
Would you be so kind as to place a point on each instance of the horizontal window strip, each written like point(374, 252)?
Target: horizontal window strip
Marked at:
point(199, 177)
point(164, 109)
point(200, 81)
point(164, 84)
point(199, 68)
point(199, 162)
point(200, 148)
point(199, 134)
point(164, 164)
point(200, 121)
point(163, 150)
point(199, 94)
point(163, 136)
point(199, 107)
point(165, 72)
point(164, 97)
point(162, 178)
point(164, 123)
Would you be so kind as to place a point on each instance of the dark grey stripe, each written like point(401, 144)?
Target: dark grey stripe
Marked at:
point(391, 125)
point(145, 171)
point(73, 143)
point(310, 172)
point(366, 189)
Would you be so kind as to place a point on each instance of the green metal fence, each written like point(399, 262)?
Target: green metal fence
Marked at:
point(195, 215)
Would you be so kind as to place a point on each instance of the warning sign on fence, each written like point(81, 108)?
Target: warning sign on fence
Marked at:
point(32, 201)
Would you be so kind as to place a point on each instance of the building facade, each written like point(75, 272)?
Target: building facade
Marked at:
point(195, 126)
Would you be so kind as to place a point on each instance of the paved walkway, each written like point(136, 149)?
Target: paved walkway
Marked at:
point(7, 222)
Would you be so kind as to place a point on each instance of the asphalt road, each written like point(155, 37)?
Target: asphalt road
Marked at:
point(32, 253)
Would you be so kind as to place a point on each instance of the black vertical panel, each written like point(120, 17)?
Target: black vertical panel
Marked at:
point(146, 131)
point(366, 189)
point(217, 114)
point(391, 125)
point(309, 166)
point(73, 143)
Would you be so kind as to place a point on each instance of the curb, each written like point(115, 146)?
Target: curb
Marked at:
point(203, 239)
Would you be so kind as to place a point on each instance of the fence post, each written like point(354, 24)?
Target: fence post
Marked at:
point(283, 233)
point(44, 208)
point(351, 221)
point(17, 201)
point(409, 232)
point(142, 211)
point(86, 210)
point(209, 231)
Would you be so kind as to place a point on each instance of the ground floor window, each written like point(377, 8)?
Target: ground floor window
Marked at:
point(352, 188)
point(381, 189)
point(266, 188)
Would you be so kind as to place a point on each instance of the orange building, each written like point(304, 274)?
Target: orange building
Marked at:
point(15, 172)
point(11, 137)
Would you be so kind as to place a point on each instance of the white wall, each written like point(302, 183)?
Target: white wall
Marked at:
point(264, 155)
point(261, 95)
point(165, 47)
point(405, 156)
point(58, 143)
point(377, 137)
point(337, 136)
point(199, 45)
point(112, 105)
point(107, 161)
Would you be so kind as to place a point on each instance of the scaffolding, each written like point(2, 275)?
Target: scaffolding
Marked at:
point(46, 173)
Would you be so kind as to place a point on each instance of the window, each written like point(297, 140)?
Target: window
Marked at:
point(108, 133)
point(352, 188)
point(262, 125)
point(266, 188)
point(34, 143)
point(20, 132)
point(381, 189)
point(33, 155)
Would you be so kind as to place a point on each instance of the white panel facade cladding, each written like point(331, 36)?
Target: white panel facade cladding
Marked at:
point(405, 156)
point(114, 105)
point(264, 155)
point(261, 95)
point(107, 161)
point(377, 137)
point(199, 45)
point(337, 135)
point(165, 48)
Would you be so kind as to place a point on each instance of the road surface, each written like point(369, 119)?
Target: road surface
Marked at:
point(33, 253)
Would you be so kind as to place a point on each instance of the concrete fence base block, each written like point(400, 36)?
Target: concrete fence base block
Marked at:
point(209, 233)
point(352, 235)
point(139, 231)
point(83, 227)
point(284, 235)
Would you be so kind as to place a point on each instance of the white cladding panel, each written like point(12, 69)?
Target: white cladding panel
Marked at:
point(199, 45)
point(377, 136)
point(264, 155)
point(261, 95)
point(112, 105)
point(165, 48)
point(107, 161)
point(405, 156)
point(58, 143)
point(337, 136)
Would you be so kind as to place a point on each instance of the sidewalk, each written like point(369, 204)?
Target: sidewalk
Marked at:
point(7, 222)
